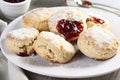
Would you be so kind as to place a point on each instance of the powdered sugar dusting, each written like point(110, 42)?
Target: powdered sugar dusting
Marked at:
point(24, 33)
point(58, 41)
point(68, 14)
point(71, 15)
point(100, 35)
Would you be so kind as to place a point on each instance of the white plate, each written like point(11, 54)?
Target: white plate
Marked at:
point(80, 67)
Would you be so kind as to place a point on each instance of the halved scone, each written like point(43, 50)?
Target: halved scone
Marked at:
point(93, 19)
point(68, 22)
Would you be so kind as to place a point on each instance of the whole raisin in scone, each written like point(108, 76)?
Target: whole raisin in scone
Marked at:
point(20, 41)
point(53, 47)
point(98, 43)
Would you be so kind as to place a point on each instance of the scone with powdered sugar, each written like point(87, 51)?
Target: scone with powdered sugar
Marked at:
point(53, 47)
point(37, 18)
point(20, 41)
point(98, 43)
point(68, 22)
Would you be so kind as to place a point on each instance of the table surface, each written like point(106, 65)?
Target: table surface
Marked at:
point(32, 76)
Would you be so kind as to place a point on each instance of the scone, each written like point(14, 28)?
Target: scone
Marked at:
point(96, 20)
point(98, 43)
point(20, 41)
point(68, 22)
point(37, 18)
point(53, 47)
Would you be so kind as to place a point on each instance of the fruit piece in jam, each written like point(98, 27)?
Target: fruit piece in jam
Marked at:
point(69, 29)
point(95, 20)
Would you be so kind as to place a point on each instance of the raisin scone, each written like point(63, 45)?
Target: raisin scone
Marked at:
point(37, 18)
point(54, 48)
point(68, 22)
point(96, 20)
point(20, 41)
point(98, 43)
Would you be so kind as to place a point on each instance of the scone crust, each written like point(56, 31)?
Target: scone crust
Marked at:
point(92, 48)
point(37, 18)
point(52, 48)
point(22, 44)
point(19, 46)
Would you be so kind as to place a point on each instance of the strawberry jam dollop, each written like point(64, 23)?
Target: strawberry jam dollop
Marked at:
point(95, 20)
point(69, 29)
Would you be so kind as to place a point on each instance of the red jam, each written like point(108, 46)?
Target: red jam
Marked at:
point(69, 29)
point(86, 3)
point(96, 20)
point(14, 1)
point(23, 54)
